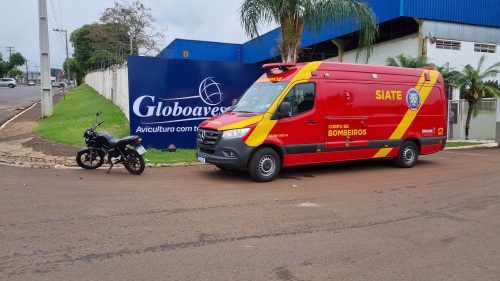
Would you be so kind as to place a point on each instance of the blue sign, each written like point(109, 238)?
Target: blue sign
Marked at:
point(169, 98)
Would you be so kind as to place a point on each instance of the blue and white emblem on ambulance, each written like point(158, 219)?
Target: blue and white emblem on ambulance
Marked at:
point(413, 99)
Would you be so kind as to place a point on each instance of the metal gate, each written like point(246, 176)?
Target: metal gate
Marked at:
point(482, 123)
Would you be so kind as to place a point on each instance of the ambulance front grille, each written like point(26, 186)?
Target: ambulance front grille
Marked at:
point(208, 137)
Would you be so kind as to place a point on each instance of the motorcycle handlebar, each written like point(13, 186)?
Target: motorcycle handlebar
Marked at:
point(97, 124)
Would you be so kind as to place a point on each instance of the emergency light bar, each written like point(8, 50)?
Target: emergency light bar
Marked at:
point(282, 67)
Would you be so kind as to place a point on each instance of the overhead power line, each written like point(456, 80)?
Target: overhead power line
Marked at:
point(10, 50)
point(57, 21)
point(67, 52)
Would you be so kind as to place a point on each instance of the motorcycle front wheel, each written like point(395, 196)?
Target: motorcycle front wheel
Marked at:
point(87, 161)
point(134, 162)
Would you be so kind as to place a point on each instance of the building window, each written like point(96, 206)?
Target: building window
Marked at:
point(448, 44)
point(485, 48)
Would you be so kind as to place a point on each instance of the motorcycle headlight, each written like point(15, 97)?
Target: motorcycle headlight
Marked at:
point(236, 133)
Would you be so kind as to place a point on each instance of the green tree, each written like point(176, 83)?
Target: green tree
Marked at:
point(15, 73)
point(492, 83)
point(15, 60)
point(402, 60)
point(3, 66)
point(74, 68)
point(136, 21)
point(474, 86)
point(97, 46)
point(448, 75)
point(82, 45)
point(294, 15)
point(110, 43)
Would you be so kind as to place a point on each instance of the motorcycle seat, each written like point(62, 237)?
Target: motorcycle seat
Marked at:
point(118, 142)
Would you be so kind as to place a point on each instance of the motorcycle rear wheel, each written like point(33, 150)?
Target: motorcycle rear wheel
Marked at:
point(84, 160)
point(134, 162)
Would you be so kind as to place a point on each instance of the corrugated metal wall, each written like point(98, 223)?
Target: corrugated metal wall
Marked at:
point(202, 50)
point(262, 48)
point(462, 32)
point(477, 12)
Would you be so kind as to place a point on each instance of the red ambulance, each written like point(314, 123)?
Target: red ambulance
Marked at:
point(322, 112)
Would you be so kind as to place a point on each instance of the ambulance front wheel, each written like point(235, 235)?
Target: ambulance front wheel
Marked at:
point(408, 155)
point(264, 165)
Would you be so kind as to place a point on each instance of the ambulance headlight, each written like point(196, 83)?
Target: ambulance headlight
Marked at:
point(236, 133)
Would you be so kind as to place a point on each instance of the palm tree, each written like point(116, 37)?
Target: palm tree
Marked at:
point(402, 60)
point(448, 73)
point(408, 61)
point(294, 15)
point(472, 83)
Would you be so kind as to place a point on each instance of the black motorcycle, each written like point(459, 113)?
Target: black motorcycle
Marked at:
point(102, 146)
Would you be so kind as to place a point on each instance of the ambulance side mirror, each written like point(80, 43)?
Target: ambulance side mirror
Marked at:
point(284, 110)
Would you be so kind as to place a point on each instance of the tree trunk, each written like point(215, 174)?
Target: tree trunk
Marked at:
point(467, 121)
point(290, 43)
point(131, 45)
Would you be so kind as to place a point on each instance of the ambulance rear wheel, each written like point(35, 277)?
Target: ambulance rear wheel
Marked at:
point(264, 165)
point(408, 155)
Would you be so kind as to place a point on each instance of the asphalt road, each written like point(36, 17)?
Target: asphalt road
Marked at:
point(14, 100)
point(359, 221)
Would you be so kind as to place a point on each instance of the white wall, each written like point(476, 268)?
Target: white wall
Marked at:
point(498, 111)
point(457, 59)
point(406, 45)
point(113, 85)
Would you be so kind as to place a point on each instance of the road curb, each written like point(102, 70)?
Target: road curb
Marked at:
point(65, 167)
point(17, 115)
point(177, 164)
point(483, 145)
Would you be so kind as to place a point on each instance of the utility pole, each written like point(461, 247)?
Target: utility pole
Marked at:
point(27, 73)
point(10, 50)
point(67, 52)
point(44, 59)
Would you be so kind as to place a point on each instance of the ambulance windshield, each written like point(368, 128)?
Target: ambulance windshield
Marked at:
point(259, 97)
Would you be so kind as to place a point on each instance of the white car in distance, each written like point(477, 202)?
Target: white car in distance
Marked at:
point(8, 82)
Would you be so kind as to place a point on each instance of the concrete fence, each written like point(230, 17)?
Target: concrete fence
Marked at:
point(111, 83)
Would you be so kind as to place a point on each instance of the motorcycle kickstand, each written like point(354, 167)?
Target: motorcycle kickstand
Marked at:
point(110, 167)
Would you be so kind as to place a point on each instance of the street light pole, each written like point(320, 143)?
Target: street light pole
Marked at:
point(67, 52)
point(46, 100)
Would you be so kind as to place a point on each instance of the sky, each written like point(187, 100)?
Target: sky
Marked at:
point(187, 19)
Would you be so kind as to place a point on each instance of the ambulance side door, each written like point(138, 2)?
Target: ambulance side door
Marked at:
point(347, 111)
point(301, 131)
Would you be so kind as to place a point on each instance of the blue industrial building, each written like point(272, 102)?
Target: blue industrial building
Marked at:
point(397, 18)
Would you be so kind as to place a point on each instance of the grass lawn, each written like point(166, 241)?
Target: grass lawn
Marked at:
point(76, 113)
point(460, 143)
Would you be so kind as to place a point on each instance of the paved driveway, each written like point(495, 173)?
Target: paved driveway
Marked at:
point(359, 221)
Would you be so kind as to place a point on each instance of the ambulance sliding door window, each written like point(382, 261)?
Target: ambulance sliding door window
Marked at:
point(301, 98)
